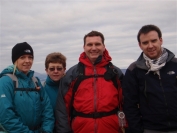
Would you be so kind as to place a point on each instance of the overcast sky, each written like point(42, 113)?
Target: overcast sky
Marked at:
point(60, 25)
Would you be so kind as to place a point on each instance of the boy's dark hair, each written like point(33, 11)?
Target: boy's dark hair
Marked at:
point(147, 28)
point(55, 57)
point(94, 33)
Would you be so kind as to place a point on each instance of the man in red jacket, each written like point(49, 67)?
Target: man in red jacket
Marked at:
point(88, 102)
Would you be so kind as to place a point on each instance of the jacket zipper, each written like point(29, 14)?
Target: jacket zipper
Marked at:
point(95, 97)
point(164, 98)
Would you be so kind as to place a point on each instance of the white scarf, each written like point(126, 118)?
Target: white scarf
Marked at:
point(156, 64)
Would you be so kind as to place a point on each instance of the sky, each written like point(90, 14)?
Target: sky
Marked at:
point(60, 25)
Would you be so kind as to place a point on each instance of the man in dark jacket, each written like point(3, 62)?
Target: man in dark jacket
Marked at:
point(150, 86)
point(94, 102)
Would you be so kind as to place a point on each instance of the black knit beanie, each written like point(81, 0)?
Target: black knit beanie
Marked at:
point(21, 49)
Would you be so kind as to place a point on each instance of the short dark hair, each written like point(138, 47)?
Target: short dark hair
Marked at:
point(94, 33)
point(55, 57)
point(147, 28)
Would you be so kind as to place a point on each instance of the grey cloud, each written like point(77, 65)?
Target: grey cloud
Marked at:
point(59, 26)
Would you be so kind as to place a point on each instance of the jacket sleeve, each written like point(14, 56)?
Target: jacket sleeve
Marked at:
point(62, 122)
point(120, 74)
point(47, 111)
point(8, 117)
point(120, 96)
point(61, 112)
point(131, 101)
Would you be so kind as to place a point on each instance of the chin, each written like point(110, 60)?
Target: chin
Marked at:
point(55, 80)
point(153, 56)
point(26, 70)
point(94, 58)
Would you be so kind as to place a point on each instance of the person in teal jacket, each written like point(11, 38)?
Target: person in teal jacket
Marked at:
point(25, 109)
point(55, 66)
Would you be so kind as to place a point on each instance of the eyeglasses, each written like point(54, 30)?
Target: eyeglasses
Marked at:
point(57, 68)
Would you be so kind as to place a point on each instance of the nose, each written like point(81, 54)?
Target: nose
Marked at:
point(93, 47)
point(55, 70)
point(27, 59)
point(150, 45)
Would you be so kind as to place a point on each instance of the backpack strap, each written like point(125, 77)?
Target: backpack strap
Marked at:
point(110, 74)
point(14, 79)
point(15, 82)
point(82, 76)
point(37, 85)
point(35, 81)
point(96, 115)
point(81, 68)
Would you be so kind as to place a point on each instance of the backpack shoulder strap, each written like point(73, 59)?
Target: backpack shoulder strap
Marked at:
point(81, 71)
point(81, 68)
point(111, 74)
point(14, 79)
point(79, 78)
point(35, 81)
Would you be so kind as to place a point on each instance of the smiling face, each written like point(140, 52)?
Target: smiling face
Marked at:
point(150, 44)
point(93, 47)
point(55, 71)
point(24, 63)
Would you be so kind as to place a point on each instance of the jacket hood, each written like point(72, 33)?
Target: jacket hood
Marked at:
point(7, 70)
point(140, 63)
point(10, 69)
point(102, 60)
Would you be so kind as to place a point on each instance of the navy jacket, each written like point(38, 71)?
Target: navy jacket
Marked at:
point(150, 101)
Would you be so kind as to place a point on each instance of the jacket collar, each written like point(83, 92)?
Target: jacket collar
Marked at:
point(140, 63)
point(102, 60)
point(49, 81)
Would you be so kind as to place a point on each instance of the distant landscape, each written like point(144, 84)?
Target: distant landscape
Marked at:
point(43, 76)
point(123, 70)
